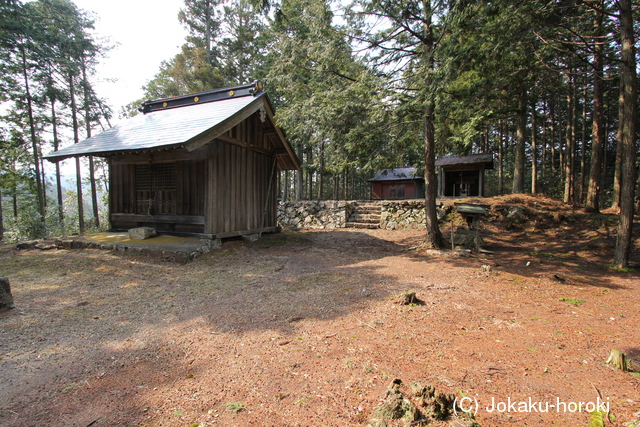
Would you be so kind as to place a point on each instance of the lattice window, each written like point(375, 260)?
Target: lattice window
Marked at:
point(143, 178)
point(156, 188)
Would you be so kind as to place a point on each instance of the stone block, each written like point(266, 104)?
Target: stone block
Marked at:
point(77, 244)
point(29, 244)
point(6, 299)
point(64, 244)
point(142, 233)
point(44, 246)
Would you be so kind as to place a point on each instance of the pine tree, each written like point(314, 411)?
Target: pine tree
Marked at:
point(627, 144)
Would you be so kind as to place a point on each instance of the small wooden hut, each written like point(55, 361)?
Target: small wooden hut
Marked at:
point(203, 164)
point(463, 176)
point(397, 183)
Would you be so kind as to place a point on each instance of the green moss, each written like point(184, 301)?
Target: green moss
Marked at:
point(621, 270)
point(235, 406)
point(573, 301)
point(597, 419)
point(541, 254)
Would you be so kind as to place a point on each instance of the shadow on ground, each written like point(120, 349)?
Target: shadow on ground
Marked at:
point(109, 326)
point(105, 339)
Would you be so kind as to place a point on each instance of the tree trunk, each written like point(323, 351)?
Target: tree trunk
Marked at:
point(346, 182)
point(14, 199)
point(207, 30)
point(583, 143)
point(56, 144)
point(628, 100)
point(94, 192)
point(76, 139)
point(638, 196)
point(545, 142)
point(518, 171)
point(534, 151)
point(570, 145)
point(299, 177)
point(434, 236)
point(552, 138)
point(605, 149)
point(1, 218)
point(87, 120)
point(34, 140)
point(44, 182)
point(617, 173)
point(501, 135)
point(592, 202)
point(321, 171)
point(285, 186)
point(310, 173)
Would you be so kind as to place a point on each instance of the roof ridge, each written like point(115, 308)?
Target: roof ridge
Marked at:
point(251, 89)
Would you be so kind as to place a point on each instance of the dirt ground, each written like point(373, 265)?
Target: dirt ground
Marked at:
point(303, 328)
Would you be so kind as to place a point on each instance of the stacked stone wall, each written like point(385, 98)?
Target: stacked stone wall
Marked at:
point(402, 214)
point(326, 214)
point(329, 214)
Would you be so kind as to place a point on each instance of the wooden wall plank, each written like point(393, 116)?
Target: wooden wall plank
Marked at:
point(241, 203)
point(227, 178)
point(226, 184)
point(250, 190)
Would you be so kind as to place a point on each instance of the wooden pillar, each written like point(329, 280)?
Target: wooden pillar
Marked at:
point(111, 189)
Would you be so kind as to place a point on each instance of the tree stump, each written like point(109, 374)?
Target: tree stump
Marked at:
point(618, 360)
point(407, 298)
point(6, 299)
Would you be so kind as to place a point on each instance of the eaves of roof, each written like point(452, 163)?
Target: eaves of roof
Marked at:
point(471, 159)
point(170, 128)
point(396, 174)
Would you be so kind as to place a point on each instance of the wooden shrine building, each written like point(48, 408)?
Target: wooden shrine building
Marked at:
point(463, 176)
point(203, 164)
point(397, 183)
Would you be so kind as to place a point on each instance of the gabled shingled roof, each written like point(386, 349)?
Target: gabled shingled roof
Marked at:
point(395, 174)
point(182, 122)
point(471, 159)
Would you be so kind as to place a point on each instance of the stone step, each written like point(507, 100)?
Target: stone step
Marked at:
point(367, 204)
point(361, 225)
point(363, 216)
point(364, 221)
point(368, 210)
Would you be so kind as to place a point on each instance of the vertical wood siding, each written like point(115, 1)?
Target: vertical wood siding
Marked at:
point(238, 181)
point(227, 184)
point(238, 186)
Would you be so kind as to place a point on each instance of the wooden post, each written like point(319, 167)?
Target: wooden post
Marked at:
point(453, 238)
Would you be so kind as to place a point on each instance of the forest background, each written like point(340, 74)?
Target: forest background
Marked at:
point(549, 87)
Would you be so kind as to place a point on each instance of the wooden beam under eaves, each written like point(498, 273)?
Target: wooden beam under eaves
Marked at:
point(224, 127)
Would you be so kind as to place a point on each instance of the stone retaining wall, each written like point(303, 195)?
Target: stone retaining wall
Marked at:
point(314, 213)
point(395, 214)
point(402, 214)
